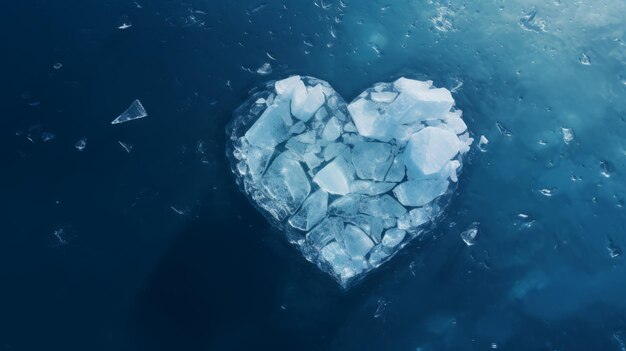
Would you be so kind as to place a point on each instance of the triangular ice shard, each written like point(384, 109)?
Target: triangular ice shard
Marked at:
point(135, 111)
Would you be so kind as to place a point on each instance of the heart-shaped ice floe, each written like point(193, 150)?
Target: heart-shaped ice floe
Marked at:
point(350, 185)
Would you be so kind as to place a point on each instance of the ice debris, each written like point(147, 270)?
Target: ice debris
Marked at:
point(351, 184)
point(133, 112)
point(81, 144)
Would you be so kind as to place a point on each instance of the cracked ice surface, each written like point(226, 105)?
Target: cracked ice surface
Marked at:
point(351, 185)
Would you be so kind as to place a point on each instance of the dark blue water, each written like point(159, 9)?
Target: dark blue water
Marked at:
point(157, 249)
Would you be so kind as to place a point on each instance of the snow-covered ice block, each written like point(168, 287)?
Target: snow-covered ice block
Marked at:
point(351, 185)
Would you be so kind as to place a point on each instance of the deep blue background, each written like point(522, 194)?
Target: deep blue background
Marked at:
point(132, 274)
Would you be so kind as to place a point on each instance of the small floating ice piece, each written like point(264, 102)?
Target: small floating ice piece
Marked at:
point(81, 144)
point(482, 143)
point(339, 260)
point(125, 26)
point(47, 136)
point(265, 69)
point(133, 112)
point(469, 236)
point(57, 66)
point(127, 146)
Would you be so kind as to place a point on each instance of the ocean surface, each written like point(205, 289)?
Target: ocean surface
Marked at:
point(143, 241)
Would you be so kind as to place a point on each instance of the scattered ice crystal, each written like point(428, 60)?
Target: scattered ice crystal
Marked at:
point(81, 144)
point(568, 135)
point(351, 184)
point(134, 111)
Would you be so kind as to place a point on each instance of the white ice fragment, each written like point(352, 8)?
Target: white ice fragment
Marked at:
point(335, 177)
point(419, 216)
point(469, 236)
point(381, 207)
point(127, 146)
point(270, 129)
point(257, 159)
point(133, 112)
point(371, 160)
point(329, 229)
point(345, 206)
point(297, 128)
point(420, 192)
point(372, 226)
point(357, 243)
point(287, 86)
point(81, 144)
point(339, 260)
point(396, 171)
point(369, 122)
point(334, 149)
point(482, 143)
point(429, 150)
point(305, 102)
point(454, 120)
point(393, 237)
point(265, 69)
point(286, 186)
point(312, 211)
point(125, 26)
point(568, 135)
point(384, 97)
point(368, 187)
point(332, 130)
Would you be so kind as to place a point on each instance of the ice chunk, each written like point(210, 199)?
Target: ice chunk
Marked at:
point(393, 237)
point(270, 129)
point(335, 177)
point(345, 206)
point(419, 216)
point(257, 159)
point(385, 96)
point(469, 236)
point(396, 171)
point(305, 103)
point(371, 160)
point(454, 120)
point(334, 149)
point(381, 207)
point(312, 211)
point(369, 122)
point(337, 257)
point(372, 226)
point(133, 112)
point(357, 243)
point(329, 229)
point(482, 143)
point(368, 187)
point(286, 186)
point(420, 192)
point(429, 150)
point(81, 144)
point(287, 86)
point(332, 130)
